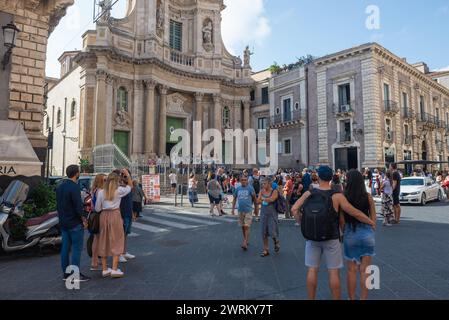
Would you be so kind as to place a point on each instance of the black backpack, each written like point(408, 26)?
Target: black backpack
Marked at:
point(256, 185)
point(319, 220)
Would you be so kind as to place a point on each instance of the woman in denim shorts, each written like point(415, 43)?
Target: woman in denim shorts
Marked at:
point(359, 238)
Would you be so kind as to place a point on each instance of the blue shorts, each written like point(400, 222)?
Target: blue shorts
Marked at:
point(127, 223)
point(358, 244)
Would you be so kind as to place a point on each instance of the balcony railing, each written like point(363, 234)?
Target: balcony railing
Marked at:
point(408, 140)
point(408, 113)
point(390, 106)
point(427, 118)
point(182, 59)
point(345, 137)
point(286, 118)
point(389, 136)
point(441, 124)
point(344, 109)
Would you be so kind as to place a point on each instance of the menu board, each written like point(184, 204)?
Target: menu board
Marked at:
point(151, 187)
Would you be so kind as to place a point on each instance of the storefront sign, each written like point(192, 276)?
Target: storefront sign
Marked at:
point(8, 170)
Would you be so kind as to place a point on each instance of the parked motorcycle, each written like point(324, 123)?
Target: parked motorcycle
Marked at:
point(41, 231)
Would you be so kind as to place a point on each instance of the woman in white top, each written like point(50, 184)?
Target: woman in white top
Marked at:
point(111, 239)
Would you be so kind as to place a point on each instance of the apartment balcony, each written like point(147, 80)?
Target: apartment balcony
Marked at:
point(345, 110)
point(288, 119)
point(427, 120)
point(408, 140)
point(182, 59)
point(441, 124)
point(390, 107)
point(408, 114)
point(389, 136)
point(345, 137)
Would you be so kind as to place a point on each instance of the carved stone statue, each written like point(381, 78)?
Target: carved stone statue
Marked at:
point(160, 15)
point(247, 56)
point(207, 35)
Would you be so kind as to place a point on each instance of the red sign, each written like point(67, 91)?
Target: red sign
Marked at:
point(151, 187)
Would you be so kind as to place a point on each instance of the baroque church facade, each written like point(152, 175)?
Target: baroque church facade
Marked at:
point(160, 68)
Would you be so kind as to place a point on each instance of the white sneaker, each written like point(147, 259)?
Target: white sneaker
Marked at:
point(122, 259)
point(129, 256)
point(296, 224)
point(106, 273)
point(117, 273)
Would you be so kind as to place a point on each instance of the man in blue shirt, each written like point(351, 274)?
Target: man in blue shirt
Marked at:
point(246, 197)
point(72, 222)
point(126, 209)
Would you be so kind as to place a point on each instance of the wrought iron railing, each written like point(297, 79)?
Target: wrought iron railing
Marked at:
point(390, 106)
point(345, 137)
point(289, 117)
point(343, 108)
point(408, 113)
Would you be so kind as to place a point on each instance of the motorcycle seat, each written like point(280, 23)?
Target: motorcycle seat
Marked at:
point(42, 219)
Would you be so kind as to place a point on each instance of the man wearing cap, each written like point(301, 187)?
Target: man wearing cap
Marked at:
point(330, 249)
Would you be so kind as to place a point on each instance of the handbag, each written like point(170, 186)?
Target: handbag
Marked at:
point(93, 222)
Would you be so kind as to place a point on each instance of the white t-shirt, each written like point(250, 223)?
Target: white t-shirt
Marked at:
point(173, 178)
point(103, 204)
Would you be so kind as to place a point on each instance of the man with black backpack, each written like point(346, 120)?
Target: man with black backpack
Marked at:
point(319, 218)
point(254, 181)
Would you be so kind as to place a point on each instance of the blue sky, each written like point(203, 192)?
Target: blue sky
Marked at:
point(281, 30)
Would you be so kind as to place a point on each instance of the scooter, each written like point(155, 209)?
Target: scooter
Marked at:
point(41, 231)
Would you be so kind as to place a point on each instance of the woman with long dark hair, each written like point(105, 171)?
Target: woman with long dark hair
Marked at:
point(359, 239)
point(386, 188)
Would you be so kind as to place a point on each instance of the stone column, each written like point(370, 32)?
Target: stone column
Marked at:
point(237, 115)
point(163, 121)
point(199, 114)
point(217, 112)
point(100, 109)
point(110, 109)
point(247, 114)
point(138, 111)
point(150, 113)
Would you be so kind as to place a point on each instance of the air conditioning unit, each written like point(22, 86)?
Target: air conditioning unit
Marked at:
point(345, 108)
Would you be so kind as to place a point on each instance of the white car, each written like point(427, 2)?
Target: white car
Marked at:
point(420, 190)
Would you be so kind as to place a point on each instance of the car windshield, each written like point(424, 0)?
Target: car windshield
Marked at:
point(412, 182)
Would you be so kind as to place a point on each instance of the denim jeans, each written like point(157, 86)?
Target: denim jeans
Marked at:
point(72, 240)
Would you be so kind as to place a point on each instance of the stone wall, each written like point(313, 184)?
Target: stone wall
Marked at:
point(35, 19)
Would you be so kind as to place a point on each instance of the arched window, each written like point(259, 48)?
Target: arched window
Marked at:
point(226, 118)
point(73, 109)
point(58, 117)
point(122, 99)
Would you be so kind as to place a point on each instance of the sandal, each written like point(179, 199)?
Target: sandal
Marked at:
point(277, 246)
point(245, 248)
point(264, 254)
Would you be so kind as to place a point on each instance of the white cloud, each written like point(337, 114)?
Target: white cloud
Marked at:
point(244, 23)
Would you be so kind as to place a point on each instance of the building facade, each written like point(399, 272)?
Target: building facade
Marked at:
point(260, 113)
point(288, 114)
point(373, 108)
point(22, 80)
point(159, 69)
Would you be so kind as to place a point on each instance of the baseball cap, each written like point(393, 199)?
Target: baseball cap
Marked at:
point(325, 173)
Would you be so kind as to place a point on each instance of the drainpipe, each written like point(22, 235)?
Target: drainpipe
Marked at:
point(64, 133)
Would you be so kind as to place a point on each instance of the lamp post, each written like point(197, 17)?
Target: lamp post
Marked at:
point(10, 32)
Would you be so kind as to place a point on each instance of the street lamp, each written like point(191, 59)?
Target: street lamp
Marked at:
point(10, 32)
